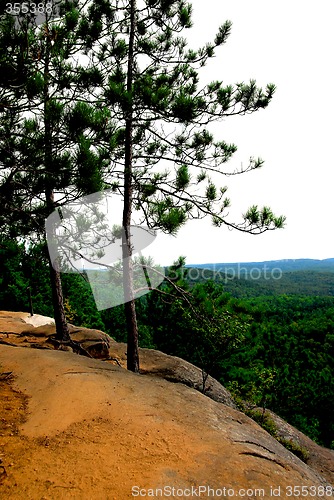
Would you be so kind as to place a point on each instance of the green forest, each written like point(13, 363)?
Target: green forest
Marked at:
point(269, 348)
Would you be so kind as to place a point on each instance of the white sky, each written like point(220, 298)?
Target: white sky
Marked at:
point(291, 45)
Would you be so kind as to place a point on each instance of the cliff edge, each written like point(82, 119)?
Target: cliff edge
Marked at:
point(82, 428)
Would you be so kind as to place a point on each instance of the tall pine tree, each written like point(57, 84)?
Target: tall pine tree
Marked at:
point(46, 159)
point(158, 138)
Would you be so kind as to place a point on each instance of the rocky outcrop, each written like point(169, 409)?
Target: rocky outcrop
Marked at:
point(175, 370)
point(94, 430)
point(319, 458)
point(21, 329)
point(102, 346)
point(150, 432)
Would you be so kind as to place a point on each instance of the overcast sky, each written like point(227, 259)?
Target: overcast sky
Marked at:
point(291, 45)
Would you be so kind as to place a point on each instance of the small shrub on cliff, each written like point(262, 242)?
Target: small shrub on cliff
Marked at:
point(267, 423)
point(263, 419)
point(298, 450)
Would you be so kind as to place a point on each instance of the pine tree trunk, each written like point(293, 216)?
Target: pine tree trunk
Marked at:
point(63, 334)
point(131, 319)
point(129, 306)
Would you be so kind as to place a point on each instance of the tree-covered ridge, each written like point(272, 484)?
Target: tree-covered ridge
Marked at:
point(274, 350)
point(290, 341)
point(301, 282)
point(284, 265)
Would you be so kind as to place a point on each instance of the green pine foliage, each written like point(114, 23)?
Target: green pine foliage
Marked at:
point(145, 74)
point(47, 116)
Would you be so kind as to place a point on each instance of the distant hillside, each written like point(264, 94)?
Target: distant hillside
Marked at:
point(248, 279)
point(285, 265)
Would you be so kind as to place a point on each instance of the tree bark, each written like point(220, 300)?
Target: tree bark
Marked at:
point(31, 309)
point(63, 334)
point(129, 306)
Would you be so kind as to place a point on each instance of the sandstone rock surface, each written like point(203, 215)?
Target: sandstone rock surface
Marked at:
point(85, 428)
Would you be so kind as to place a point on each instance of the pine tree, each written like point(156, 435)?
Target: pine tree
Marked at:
point(144, 108)
point(46, 160)
point(160, 116)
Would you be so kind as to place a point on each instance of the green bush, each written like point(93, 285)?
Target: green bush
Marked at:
point(298, 450)
point(267, 423)
point(263, 419)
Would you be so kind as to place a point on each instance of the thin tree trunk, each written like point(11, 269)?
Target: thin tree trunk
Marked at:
point(63, 333)
point(129, 306)
point(31, 309)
